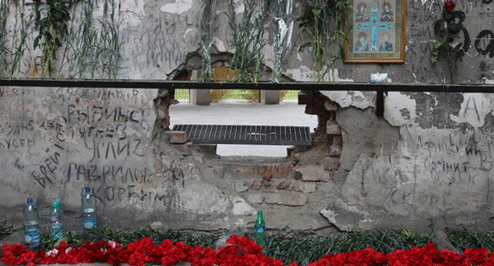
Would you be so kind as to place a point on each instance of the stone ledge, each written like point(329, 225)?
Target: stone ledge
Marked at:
point(275, 184)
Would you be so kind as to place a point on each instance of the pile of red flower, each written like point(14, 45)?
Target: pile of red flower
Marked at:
point(429, 255)
point(237, 251)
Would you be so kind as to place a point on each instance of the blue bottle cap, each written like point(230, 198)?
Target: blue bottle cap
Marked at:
point(56, 203)
point(88, 189)
point(29, 200)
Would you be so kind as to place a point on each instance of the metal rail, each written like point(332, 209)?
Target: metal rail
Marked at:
point(166, 84)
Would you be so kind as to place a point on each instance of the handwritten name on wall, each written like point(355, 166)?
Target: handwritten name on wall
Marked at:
point(65, 139)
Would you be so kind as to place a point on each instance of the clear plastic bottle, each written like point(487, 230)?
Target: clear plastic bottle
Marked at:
point(88, 210)
point(56, 220)
point(260, 227)
point(32, 233)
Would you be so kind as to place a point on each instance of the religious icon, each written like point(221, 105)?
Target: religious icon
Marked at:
point(387, 14)
point(362, 45)
point(376, 31)
point(386, 45)
point(361, 14)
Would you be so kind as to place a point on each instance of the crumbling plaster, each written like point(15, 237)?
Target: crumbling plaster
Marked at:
point(427, 159)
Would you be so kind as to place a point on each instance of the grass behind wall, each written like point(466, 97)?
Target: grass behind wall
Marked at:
point(183, 94)
point(288, 249)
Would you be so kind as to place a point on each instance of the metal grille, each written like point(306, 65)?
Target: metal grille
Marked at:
point(246, 134)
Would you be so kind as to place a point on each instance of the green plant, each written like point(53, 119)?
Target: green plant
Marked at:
point(53, 30)
point(206, 42)
point(4, 12)
point(13, 43)
point(447, 30)
point(94, 50)
point(248, 40)
point(323, 21)
point(18, 44)
point(6, 230)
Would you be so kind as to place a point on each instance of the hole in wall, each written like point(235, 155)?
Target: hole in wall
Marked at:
point(286, 113)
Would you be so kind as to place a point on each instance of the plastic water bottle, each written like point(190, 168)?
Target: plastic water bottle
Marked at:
point(260, 227)
point(32, 234)
point(88, 210)
point(56, 220)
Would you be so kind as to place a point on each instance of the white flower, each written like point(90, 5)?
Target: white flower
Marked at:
point(52, 252)
point(112, 243)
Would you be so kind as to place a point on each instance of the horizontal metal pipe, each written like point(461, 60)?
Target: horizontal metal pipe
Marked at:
point(166, 84)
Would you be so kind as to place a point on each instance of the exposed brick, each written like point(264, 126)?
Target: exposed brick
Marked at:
point(255, 198)
point(331, 163)
point(272, 198)
point(286, 185)
point(313, 173)
point(277, 170)
point(267, 176)
point(295, 199)
point(177, 137)
point(243, 169)
point(307, 187)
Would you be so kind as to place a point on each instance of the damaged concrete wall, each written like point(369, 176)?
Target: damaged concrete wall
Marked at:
point(427, 160)
point(155, 38)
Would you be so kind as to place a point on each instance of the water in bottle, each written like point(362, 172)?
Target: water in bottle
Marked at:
point(260, 226)
point(88, 210)
point(31, 225)
point(56, 220)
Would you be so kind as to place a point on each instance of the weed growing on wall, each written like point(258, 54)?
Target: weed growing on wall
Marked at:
point(323, 22)
point(94, 50)
point(206, 41)
point(4, 12)
point(53, 30)
point(248, 40)
point(13, 42)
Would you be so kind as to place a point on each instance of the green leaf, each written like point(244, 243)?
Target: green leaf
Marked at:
point(448, 16)
point(454, 28)
point(36, 41)
point(342, 53)
point(316, 11)
point(439, 26)
point(434, 55)
point(304, 46)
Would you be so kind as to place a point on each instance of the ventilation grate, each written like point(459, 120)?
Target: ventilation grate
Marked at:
point(246, 134)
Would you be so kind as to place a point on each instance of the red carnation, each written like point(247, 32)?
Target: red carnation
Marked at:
point(449, 6)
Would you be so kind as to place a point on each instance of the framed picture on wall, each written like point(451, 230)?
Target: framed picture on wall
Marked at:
point(376, 31)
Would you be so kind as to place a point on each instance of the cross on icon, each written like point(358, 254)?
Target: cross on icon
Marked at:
point(374, 26)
